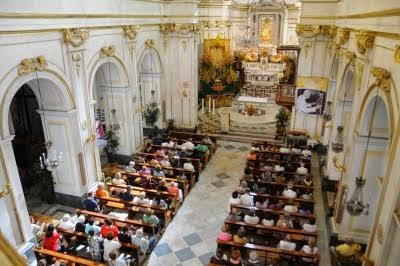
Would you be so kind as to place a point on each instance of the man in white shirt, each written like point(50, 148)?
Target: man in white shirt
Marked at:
point(287, 244)
point(247, 199)
point(302, 170)
point(306, 153)
point(310, 249)
point(289, 193)
point(66, 222)
point(188, 145)
point(310, 226)
point(188, 166)
point(110, 245)
point(165, 162)
point(251, 219)
point(117, 180)
point(291, 208)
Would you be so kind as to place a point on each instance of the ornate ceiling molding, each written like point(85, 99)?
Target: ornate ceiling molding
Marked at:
point(382, 77)
point(76, 36)
point(32, 64)
point(308, 31)
point(343, 35)
point(130, 31)
point(364, 40)
point(108, 51)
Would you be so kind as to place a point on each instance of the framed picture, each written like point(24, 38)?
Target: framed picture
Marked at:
point(310, 101)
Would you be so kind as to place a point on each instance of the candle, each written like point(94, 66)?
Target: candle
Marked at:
point(209, 105)
point(202, 106)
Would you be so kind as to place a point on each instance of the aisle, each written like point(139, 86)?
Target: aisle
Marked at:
point(190, 238)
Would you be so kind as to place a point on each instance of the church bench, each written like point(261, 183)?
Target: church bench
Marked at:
point(282, 161)
point(258, 171)
point(284, 154)
point(153, 192)
point(203, 156)
point(118, 221)
point(193, 136)
point(278, 197)
point(267, 250)
point(273, 228)
point(195, 142)
point(273, 183)
point(177, 171)
point(73, 260)
point(182, 183)
point(128, 246)
point(238, 206)
point(196, 162)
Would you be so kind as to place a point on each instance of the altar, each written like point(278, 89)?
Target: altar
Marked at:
point(251, 105)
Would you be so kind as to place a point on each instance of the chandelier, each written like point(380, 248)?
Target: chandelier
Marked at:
point(355, 206)
point(114, 122)
point(248, 40)
point(52, 159)
point(337, 145)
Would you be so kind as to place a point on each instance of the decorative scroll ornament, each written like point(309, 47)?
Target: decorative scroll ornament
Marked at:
point(397, 54)
point(206, 24)
point(333, 47)
point(351, 57)
point(343, 35)
point(167, 28)
point(130, 31)
point(336, 164)
point(76, 57)
point(32, 64)
point(329, 30)
point(188, 28)
point(359, 73)
point(149, 43)
point(364, 40)
point(306, 46)
point(379, 233)
point(382, 77)
point(108, 51)
point(308, 31)
point(6, 190)
point(75, 37)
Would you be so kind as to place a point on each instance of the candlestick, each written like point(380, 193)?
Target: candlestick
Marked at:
point(202, 106)
point(209, 105)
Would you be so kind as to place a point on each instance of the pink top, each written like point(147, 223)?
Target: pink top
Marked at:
point(224, 236)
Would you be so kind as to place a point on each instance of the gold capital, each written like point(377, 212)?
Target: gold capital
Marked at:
point(75, 37)
point(167, 28)
point(108, 51)
point(329, 30)
point(32, 64)
point(130, 31)
point(343, 35)
point(382, 77)
point(364, 40)
point(308, 31)
point(351, 57)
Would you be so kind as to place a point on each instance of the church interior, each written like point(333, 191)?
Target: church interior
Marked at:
point(200, 132)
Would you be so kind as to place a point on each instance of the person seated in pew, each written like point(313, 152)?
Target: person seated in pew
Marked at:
point(94, 241)
point(308, 195)
point(301, 170)
point(235, 199)
point(289, 192)
point(288, 245)
point(142, 199)
point(188, 166)
point(207, 140)
point(127, 195)
point(284, 222)
point(251, 218)
point(275, 204)
point(235, 258)
point(80, 225)
point(145, 170)
point(247, 199)
point(266, 176)
point(131, 167)
point(252, 155)
point(240, 236)
point(310, 249)
point(184, 153)
point(118, 181)
point(108, 227)
point(188, 145)
point(243, 186)
point(345, 252)
point(66, 222)
point(101, 191)
point(172, 153)
point(220, 258)
point(224, 235)
point(148, 148)
point(290, 207)
point(234, 215)
point(115, 260)
point(278, 168)
point(90, 203)
point(160, 153)
point(284, 150)
point(143, 242)
point(125, 236)
point(52, 239)
point(138, 159)
point(154, 162)
point(202, 147)
point(91, 225)
point(149, 218)
point(158, 172)
point(260, 204)
point(165, 162)
point(162, 186)
point(310, 226)
point(247, 174)
point(159, 202)
point(110, 244)
point(253, 259)
point(268, 220)
point(306, 153)
point(305, 208)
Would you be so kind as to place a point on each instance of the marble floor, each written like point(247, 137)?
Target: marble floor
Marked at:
point(190, 238)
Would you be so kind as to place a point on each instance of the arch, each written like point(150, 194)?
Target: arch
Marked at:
point(333, 79)
point(347, 84)
point(55, 92)
point(143, 62)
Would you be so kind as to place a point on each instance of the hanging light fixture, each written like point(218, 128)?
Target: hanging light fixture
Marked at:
point(337, 145)
point(355, 206)
point(114, 122)
point(328, 111)
point(248, 40)
point(52, 159)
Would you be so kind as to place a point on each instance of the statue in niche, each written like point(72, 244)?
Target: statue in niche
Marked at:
point(266, 30)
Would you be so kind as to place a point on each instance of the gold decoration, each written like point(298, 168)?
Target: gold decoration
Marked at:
point(32, 64)
point(130, 31)
point(333, 47)
point(397, 54)
point(382, 77)
point(167, 28)
point(308, 31)
point(75, 37)
point(91, 138)
point(185, 43)
point(206, 24)
point(329, 30)
point(364, 40)
point(316, 83)
point(379, 233)
point(343, 35)
point(5, 191)
point(360, 69)
point(188, 28)
point(351, 57)
point(108, 51)
point(149, 43)
point(338, 166)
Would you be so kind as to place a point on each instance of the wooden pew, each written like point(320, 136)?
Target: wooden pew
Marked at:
point(243, 207)
point(152, 192)
point(272, 183)
point(203, 157)
point(193, 136)
point(73, 260)
point(279, 197)
point(195, 162)
point(118, 222)
point(129, 246)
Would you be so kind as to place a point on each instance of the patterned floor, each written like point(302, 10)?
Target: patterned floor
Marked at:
point(190, 238)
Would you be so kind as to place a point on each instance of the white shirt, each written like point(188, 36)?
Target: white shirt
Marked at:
point(288, 193)
point(284, 150)
point(251, 219)
point(188, 145)
point(310, 227)
point(247, 200)
point(69, 225)
point(303, 106)
point(278, 168)
point(306, 249)
point(235, 201)
point(296, 151)
point(302, 170)
point(110, 245)
point(141, 242)
point(306, 153)
point(286, 245)
point(117, 262)
point(165, 163)
point(188, 167)
point(266, 222)
point(118, 182)
point(291, 208)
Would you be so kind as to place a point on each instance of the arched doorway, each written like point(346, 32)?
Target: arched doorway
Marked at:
point(150, 82)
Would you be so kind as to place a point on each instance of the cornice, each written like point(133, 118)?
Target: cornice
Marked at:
point(393, 12)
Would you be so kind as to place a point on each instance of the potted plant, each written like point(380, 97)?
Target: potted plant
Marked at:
point(112, 144)
point(151, 113)
point(282, 119)
point(171, 124)
point(44, 183)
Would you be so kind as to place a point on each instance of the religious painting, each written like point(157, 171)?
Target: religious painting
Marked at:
point(267, 30)
point(311, 95)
